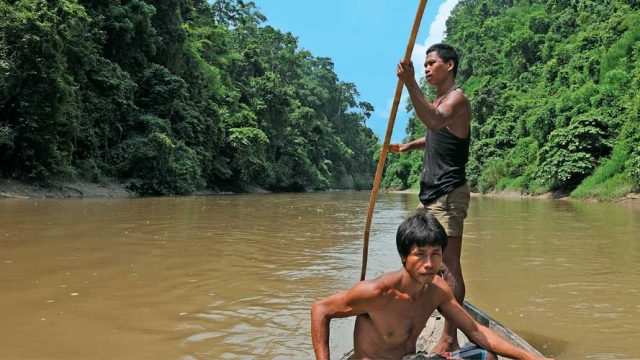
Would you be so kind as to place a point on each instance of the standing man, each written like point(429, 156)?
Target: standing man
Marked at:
point(443, 187)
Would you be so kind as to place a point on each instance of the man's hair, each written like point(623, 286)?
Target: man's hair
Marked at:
point(447, 53)
point(420, 229)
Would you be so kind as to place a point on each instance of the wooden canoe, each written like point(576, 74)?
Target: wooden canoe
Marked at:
point(431, 333)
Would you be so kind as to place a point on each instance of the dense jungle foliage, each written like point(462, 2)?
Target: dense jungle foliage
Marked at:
point(173, 96)
point(554, 86)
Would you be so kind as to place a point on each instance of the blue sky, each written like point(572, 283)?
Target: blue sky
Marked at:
point(365, 39)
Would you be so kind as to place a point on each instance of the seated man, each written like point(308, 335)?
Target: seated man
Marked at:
point(392, 310)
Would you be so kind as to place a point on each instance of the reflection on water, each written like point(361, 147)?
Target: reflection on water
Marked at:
point(234, 276)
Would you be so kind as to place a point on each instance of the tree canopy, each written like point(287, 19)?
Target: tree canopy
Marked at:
point(554, 88)
point(173, 96)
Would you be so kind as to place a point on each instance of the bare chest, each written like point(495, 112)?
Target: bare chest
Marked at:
point(402, 321)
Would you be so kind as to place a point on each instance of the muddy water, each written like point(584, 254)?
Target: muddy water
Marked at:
point(233, 277)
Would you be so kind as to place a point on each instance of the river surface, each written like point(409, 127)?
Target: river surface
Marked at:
point(234, 276)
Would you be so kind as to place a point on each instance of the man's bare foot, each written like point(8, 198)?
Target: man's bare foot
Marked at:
point(445, 345)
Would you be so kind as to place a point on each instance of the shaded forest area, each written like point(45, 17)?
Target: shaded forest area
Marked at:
point(171, 97)
point(554, 87)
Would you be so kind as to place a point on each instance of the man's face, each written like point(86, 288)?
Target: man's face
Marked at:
point(423, 263)
point(435, 69)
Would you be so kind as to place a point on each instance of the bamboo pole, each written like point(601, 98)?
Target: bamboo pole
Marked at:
point(387, 139)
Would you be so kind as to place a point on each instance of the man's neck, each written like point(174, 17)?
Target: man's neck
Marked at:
point(444, 87)
point(411, 286)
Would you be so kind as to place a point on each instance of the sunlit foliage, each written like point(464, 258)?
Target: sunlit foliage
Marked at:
point(172, 97)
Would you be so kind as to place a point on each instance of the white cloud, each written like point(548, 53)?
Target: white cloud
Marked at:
point(436, 35)
point(439, 25)
point(417, 57)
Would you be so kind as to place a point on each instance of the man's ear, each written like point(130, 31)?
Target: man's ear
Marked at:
point(404, 260)
point(450, 65)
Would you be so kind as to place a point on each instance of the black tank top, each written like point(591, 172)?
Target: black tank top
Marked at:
point(445, 160)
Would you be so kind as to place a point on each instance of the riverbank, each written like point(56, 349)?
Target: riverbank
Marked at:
point(68, 190)
point(14, 189)
point(518, 195)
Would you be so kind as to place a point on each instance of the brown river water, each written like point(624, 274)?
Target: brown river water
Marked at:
point(234, 276)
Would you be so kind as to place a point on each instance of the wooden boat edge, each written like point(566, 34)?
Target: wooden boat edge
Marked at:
point(484, 319)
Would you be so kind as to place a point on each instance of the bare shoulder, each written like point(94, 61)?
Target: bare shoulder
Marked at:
point(377, 288)
point(441, 289)
point(457, 109)
point(363, 297)
point(387, 282)
point(460, 93)
point(459, 100)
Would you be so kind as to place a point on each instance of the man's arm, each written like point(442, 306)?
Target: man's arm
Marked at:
point(363, 297)
point(413, 145)
point(435, 118)
point(480, 335)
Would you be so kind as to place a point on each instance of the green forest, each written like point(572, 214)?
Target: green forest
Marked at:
point(554, 86)
point(177, 96)
point(172, 97)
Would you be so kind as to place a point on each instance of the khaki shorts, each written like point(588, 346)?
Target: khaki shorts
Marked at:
point(451, 209)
